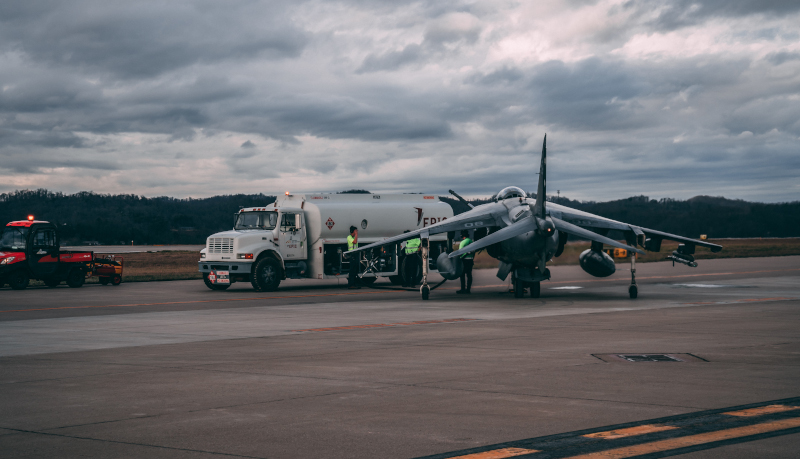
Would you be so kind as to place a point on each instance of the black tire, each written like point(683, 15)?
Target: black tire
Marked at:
point(105, 280)
point(633, 291)
point(536, 289)
point(266, 275)
point(18, 280)
point(51, 282)
point(412, 270)
point(519, 288)
point(208, 283)
point(76, 278)
point(396, 280)
point(116, 279)
point(426, 292)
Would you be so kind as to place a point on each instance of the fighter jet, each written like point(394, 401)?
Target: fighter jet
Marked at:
point(524, 233)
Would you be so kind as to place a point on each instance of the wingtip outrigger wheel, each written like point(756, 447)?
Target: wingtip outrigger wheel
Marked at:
point(633, 291)
point(426, 292)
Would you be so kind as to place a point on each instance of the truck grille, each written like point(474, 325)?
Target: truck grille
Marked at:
point(220, 245)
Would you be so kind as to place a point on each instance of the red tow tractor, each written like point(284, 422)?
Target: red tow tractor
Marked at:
point(30, 249)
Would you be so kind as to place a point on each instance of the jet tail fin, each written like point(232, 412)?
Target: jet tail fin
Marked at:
point(541, 191)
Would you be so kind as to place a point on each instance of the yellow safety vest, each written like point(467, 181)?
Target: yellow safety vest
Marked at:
point(468, 255)
point(412, 245)
point(351, 244)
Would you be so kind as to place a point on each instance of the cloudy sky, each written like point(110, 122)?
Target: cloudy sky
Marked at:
point(667, 99)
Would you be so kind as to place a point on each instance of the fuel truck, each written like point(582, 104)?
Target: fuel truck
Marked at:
point(304, 236)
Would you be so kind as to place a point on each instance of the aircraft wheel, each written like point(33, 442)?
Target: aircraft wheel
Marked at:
point(116, 280)
point(266, 275)
point(633, 292)
point(209, 284)
point(76, 278)
point(105, 280)
point(18, 280)
point(519, 288)
point(536, 289)
point(51, 282)
point(426, 292)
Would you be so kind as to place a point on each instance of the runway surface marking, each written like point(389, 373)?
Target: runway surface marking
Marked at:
point(667, 436)
point(225, 300)
point(498, 453)
point(398, 324)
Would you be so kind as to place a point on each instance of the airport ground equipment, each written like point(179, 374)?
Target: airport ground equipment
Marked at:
point(304, 236)
point(30, 249)
point(524, 233)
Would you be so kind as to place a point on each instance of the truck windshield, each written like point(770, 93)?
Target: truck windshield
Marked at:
point(12, 239)
point(257, 220)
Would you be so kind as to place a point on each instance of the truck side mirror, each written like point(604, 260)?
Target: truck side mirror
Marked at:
point(297, 220)
point(235, 217)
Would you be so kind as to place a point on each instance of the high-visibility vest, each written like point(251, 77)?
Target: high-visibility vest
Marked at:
point(351, 244)
point(412, 245)
point(470, 255)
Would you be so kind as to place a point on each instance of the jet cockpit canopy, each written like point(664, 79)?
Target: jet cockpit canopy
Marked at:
point(511, 192)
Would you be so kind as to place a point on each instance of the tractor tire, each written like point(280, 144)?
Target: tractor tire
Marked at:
point(208, 283)
point(105, 280)
point(76, 278)
point(18, 280)
point(51, 282)
point(116, 280)
point(266, 275)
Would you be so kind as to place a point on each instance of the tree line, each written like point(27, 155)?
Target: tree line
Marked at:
point(115, 219)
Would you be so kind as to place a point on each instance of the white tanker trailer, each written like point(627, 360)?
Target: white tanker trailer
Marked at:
point(304, 236)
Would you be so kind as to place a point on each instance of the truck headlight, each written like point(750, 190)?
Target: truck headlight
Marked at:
point(7, 260)
point(244, 256)
point(202, 255)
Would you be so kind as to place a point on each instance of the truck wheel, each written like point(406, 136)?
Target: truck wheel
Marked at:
point(76, 278)
point(209, 284)
point(116, 280)
point(412, 270)
point(266, 275)
point(18, 280)
point(105, 280)
point(51, 282)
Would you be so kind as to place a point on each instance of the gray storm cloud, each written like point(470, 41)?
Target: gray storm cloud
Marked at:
point(198, 98)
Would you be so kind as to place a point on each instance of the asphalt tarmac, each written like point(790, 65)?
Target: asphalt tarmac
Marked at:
point(705, 363)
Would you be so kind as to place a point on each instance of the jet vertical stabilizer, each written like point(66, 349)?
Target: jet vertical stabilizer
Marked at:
point(541, 191)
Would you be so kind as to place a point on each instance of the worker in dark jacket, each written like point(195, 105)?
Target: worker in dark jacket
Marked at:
point(352, 244)
point(469, 260)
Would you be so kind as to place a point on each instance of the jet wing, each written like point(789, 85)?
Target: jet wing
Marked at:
point(480, 217)
point(585, 219)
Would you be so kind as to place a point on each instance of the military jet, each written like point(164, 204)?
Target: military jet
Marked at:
point(524, 233)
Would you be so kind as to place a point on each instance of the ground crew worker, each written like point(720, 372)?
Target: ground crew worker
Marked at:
point(352, 244)
point(469, 260)
point(409, 266)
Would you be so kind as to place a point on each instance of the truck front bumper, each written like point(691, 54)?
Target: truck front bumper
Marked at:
point(234, 267)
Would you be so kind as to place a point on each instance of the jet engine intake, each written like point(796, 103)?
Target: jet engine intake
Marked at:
point(598, 264)
point(449, 268)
